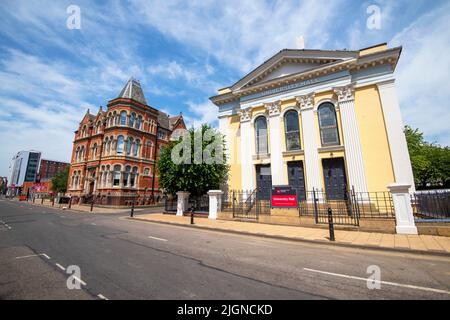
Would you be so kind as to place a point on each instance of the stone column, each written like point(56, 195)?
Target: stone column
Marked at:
point(394, 127)
point(352, 142)
point(276, 156)
point(309, 132)
point(215, 203)
point(121, 180)
point(246, 150)
point(182, 202)
point(403, 210)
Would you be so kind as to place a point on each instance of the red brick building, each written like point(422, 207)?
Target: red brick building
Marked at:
point(115, 151)
point(48, 169)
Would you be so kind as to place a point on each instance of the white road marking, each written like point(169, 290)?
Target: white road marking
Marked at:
point(378, 281)
point(79, 280)
point(94, 224)
point(48, 258)
point(29, 256)
point(60, 266)
point(160, 239)
point(102, 297)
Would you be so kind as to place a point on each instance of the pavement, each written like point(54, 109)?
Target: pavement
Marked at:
point(119, 258)
point(397, 242)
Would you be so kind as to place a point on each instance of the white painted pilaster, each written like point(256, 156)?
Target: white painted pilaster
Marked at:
point(352, 142)
point(396, 137)
point(312, 162)
point(276, 155)
point(246, 150)
point(403, 210)
point(215, 203)
point(224, 130)
point(182, 202)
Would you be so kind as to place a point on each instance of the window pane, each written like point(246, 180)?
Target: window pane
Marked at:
point(330, 136)
point(327, 115)
point(291, 121)
point(261, 135)
point(293, 140)
point(123, 118)
point(120, 144)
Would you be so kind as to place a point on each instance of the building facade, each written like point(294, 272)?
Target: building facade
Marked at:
point(115, 151)
point(317, 120)
point(24, 168)
point(48, 169)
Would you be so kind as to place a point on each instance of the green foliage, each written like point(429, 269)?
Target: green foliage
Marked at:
point(194, 178)
point(430, 162)
point(59, 182)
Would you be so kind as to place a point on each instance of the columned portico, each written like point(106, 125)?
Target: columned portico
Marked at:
point(276, 157)
point(353, 151)
point(312, 163)
point(246, 147)
point(397, 142)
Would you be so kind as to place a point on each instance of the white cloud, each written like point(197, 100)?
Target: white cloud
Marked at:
point(204, 112)
point(242, 33)
point(423, 74)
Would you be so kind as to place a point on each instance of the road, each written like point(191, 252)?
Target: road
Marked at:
point(125, 259)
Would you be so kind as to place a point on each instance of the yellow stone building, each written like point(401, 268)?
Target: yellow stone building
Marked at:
point(317, 119)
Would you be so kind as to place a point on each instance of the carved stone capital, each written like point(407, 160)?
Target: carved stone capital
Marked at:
point(273, 108)
point(306, 101)
point(246, 114)
point(346, 93)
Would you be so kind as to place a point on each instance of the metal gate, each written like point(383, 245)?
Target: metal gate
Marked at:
point(345, 211)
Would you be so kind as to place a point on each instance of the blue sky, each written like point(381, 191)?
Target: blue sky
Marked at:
point(183, 51)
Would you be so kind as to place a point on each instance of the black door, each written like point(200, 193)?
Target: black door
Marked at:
point(335, 179)
point(263, 181)
point(296, 178)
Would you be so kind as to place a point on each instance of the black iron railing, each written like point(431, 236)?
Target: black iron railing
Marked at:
point(431, 205)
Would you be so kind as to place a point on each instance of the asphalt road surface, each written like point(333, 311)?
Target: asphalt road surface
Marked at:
point(124, 259)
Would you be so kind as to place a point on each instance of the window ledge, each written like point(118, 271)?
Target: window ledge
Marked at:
point(331, 149)
point(293, 153)
point(261, 156)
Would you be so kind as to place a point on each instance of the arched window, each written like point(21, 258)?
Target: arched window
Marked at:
point(133, 177)
point(129, 145)
point(126, 174)
point(116, 175)
point(106, 150)
point(328, 124)
point(123, 118)
point(120, 145)
point(149, 150)
point(292, 131)
point(99, 127)
point(77, 154)
point(82, 154)
point(138, 122)
point(132, 117)
point(94, 151)
point(261, 135)
point(137, 147)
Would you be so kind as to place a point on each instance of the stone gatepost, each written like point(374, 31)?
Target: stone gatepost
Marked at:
point(215, 203)
point(403, 210)
point(182, 202)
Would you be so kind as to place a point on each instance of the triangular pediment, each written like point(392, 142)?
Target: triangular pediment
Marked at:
point(289, 62)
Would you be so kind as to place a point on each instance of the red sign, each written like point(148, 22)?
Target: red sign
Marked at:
point(284, 197)
point(287, 201)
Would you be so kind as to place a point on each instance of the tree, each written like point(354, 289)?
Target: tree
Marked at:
point(59, 181)
point(430, 162)
point(191, 175)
